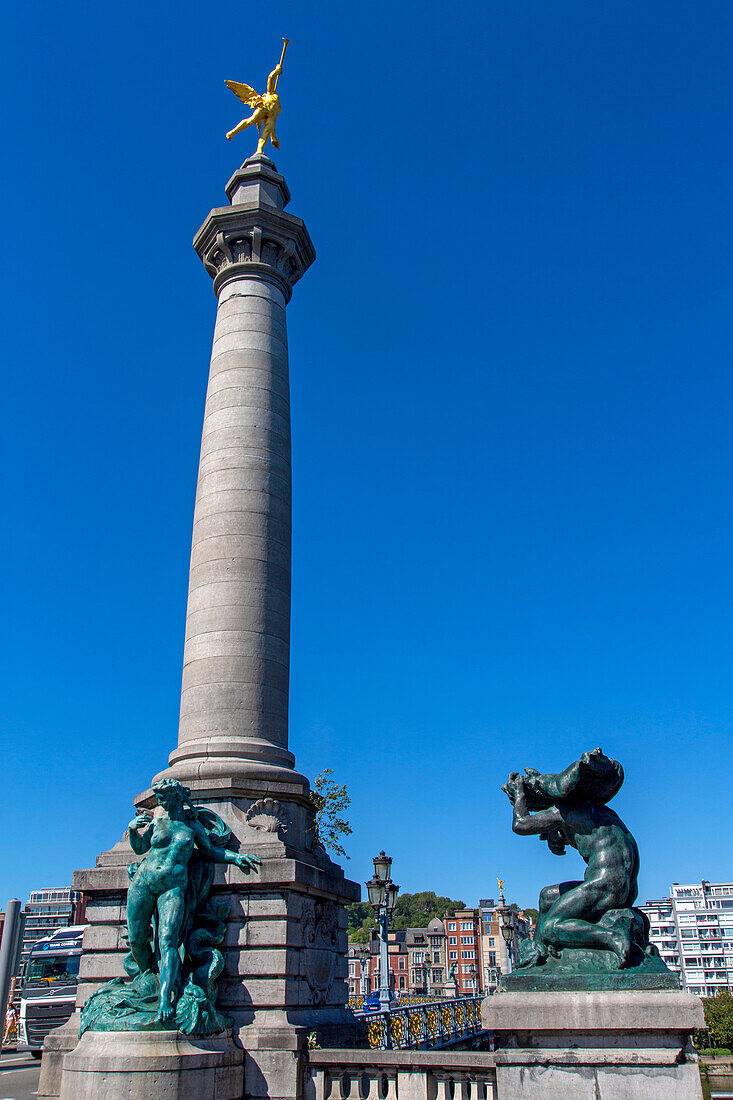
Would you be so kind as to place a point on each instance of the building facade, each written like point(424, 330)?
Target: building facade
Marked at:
point(416, 961)
point(693, 930)
point(463, 932)
point(481, 943)
point(502, 929)
point(44, 912)
point(427, 954)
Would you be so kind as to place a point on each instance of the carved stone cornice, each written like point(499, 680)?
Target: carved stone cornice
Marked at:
point(255, 238)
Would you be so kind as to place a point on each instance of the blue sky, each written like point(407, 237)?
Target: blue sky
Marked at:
point(511, 392)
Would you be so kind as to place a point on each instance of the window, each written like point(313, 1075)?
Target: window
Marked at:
point(492, 958)
point(467, 940)
point(402, 962)
point(451, 926)
point(452, 955)
point(466, 926)
point(403, 984)
point(436, 956)
point(452, 940)
point(468, 954)
point(491, 942)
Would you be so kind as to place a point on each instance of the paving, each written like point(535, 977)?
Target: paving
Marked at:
point(18, 1076)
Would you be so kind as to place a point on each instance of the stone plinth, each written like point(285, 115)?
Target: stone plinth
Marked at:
point(632, 1045)
point(152, 1065)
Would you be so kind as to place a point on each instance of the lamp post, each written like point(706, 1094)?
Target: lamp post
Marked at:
point(505, 920)
point(472, 971)
point(364, 956)
point(427, 969)
point(382, 894)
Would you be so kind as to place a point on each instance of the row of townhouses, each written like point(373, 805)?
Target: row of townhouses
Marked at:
point(475, 945)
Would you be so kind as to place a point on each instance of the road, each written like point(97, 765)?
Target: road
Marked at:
point(18, 1076)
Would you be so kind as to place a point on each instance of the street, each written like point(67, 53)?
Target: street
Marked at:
point(18, 1076)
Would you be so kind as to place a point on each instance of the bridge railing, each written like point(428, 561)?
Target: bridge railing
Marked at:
point(424, 1026)
point(392, 1074)
point(356, 1003)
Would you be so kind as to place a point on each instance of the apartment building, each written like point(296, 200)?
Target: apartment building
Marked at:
point(416, 961)
point(502, 930)
point(44, 912)
point(693, 930)
point(463, 931)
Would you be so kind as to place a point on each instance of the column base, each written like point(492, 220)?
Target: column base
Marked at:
point(581, 1046)
point(56, 1046)
point(140, 1065)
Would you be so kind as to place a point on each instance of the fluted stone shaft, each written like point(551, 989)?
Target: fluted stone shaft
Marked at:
point(234, 699)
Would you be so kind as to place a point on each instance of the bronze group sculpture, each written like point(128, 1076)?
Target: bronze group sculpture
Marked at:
point(589, 935)
point(173, 926)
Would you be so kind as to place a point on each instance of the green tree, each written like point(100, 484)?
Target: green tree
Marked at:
point(411, 911)
point(417, 910)
point(330, 801)
point(360, 921)
point(719, 1018)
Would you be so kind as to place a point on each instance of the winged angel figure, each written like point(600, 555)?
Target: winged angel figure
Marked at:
point(266, 107)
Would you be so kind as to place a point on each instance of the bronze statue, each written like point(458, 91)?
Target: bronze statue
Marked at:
point(266, 106)
point(588, 925)
point(173, 927)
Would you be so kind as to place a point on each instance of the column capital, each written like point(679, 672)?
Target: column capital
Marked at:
point(255, 237)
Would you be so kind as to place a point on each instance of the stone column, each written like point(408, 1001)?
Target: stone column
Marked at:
point(234, 699)
point(285, 947)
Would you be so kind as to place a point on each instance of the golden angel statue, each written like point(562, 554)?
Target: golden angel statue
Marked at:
point(266, 107)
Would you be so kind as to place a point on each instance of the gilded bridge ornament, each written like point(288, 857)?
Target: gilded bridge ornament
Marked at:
point(266, 107)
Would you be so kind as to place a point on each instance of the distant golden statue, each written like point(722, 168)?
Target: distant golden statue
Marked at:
point(266, 107)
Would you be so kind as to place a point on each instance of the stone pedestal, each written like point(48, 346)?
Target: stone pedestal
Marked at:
point(152, 1065)
point(595, 1046)
point(285, 947)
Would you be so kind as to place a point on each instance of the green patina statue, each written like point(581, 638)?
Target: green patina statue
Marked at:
point(173, 927)
point(589, 935)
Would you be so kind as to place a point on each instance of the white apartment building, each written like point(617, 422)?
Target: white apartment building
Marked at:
point(693, 930)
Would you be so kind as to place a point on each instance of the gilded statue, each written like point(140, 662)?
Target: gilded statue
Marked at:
point(266, 107)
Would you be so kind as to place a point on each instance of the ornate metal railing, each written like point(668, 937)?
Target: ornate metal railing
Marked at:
point(424, 1026)
point(387, 1074)
point(356, 1003)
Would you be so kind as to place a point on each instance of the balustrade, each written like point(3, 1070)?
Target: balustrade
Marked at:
point(399, 1075)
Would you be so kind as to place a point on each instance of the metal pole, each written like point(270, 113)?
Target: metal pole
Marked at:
point(8, 951)
point(383, 961)
point(364, 959)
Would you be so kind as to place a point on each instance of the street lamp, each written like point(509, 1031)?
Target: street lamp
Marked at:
point(506, 931)
point(427, 967)
point(382, 894)
point(472, 972)
point(364, 959)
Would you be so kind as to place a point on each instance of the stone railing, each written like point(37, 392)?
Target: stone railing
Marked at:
point(399, 1075)
point(430, 1025)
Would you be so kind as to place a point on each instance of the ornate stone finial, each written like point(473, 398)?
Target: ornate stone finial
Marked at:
point(266, 106)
